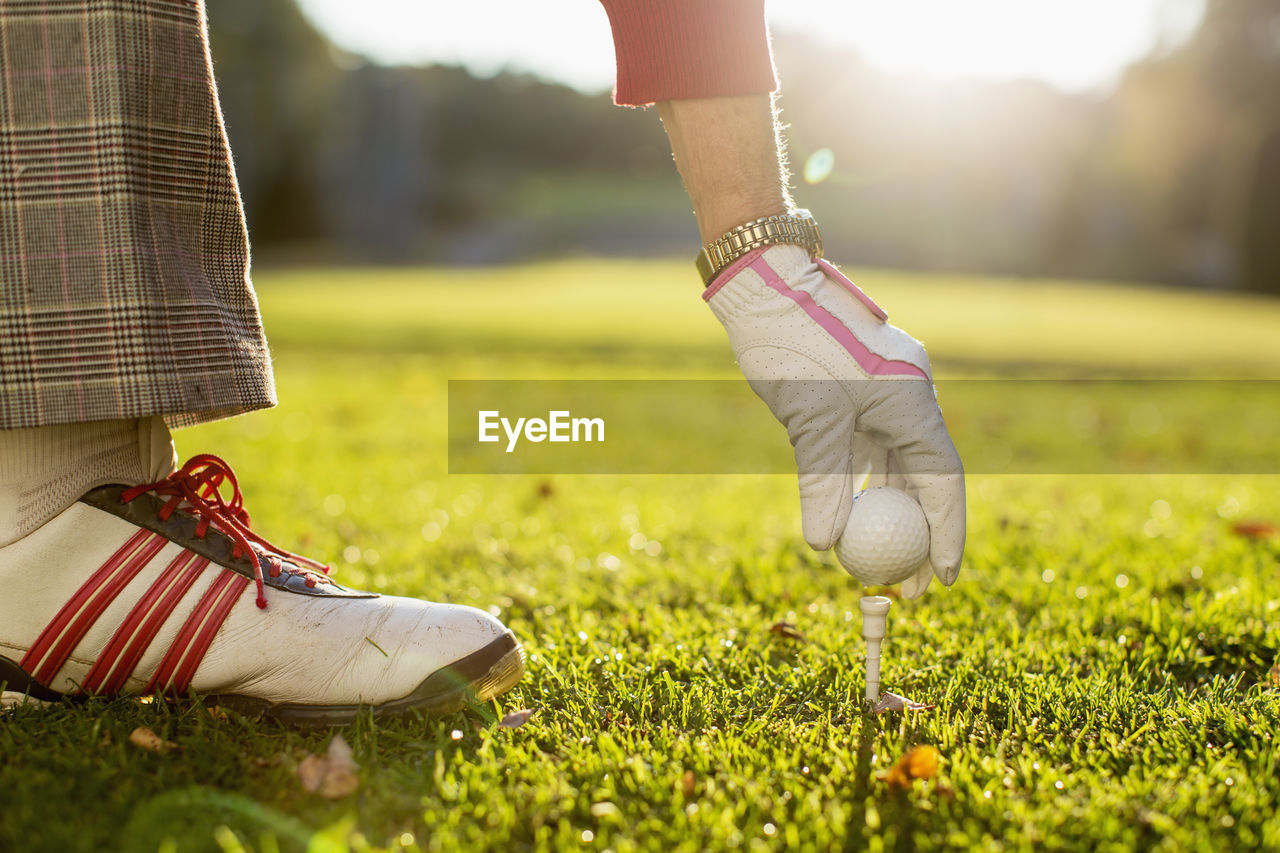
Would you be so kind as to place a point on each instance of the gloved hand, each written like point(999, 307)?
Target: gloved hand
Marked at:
point(855, 394)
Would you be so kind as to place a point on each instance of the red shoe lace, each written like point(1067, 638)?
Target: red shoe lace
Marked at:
point(197, 485)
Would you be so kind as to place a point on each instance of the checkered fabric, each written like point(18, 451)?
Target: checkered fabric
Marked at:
point(124, 287)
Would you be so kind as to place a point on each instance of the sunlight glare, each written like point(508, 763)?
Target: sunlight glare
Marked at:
point(1075, 45)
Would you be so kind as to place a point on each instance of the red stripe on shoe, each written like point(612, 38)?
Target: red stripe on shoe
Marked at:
point(190, 637)
point(169, 663)
point(79, 614)
point(873, 364)
point(64, 616)
point(191, 662)
point(162, 612)
point(119, 659)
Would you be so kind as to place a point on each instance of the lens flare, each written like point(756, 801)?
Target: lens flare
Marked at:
point(819, 165)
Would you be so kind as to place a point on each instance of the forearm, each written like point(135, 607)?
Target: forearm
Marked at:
point(707, 65)
point(728, 151)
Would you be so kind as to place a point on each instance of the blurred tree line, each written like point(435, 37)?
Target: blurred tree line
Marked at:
point(1172, 176)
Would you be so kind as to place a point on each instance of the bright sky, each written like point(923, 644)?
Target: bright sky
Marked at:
point(1075, 44)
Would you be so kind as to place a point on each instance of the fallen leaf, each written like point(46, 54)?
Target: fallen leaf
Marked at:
point(311, 772)
point(143, 738)
point(267, 760)
point(894, 702)
point(332, 775)
point(919, 762)
point(1255, 529)
point(515, 719)
point(688, 783)
point(787, 631)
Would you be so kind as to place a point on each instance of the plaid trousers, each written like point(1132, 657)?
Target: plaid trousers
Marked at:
point(124, 287)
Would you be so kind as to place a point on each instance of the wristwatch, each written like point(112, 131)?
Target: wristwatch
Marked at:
point(797, 227)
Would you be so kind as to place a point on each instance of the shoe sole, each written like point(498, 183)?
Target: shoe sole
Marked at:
point(10, 699)
point(472, 680)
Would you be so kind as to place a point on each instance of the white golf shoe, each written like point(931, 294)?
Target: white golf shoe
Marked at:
point(152, 589)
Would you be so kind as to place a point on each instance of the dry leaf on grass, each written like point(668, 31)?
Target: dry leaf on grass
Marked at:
point(919, 762)
point(332, 775)
point(894, 702)
point(1255, 529)
point(688, 783)
point(786, 630)
point(267, 760)
point(143, 738)
point(515, 719)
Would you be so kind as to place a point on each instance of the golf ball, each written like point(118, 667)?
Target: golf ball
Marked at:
point(886, 538)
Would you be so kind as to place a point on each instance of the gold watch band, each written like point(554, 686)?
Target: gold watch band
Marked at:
point(798, 228)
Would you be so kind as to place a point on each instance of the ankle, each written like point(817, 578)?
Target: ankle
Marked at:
point(43, 470)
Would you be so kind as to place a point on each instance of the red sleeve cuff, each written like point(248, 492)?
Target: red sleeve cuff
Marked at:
point(669, 49)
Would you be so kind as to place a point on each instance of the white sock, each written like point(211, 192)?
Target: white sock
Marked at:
point(43, 470)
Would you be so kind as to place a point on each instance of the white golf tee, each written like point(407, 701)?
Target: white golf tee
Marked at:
point(875, 611)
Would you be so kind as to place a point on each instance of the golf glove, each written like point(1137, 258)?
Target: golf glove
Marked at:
point(855, 394)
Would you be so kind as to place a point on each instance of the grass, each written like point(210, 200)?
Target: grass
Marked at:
point(1104, 668)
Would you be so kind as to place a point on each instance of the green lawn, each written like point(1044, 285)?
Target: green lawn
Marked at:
point(1105, 669)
